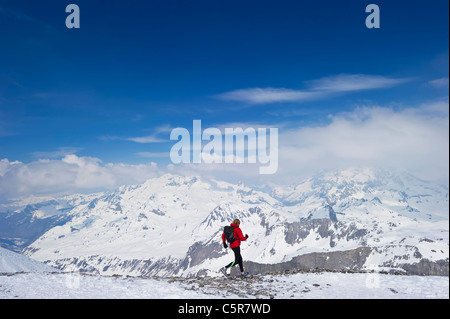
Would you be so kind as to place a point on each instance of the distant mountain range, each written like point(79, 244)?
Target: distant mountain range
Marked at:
point(355, 219)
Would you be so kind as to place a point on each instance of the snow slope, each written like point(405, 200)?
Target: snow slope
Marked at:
point(11, 262)
point(294, 286)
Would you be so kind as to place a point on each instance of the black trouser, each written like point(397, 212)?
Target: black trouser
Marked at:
point(237, 259)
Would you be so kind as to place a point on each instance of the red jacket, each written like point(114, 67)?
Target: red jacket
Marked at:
point(237, 233)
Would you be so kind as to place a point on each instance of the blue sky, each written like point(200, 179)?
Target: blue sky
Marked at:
point(113, 89)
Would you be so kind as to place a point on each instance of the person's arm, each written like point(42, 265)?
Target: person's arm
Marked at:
point(224, 241)
point(240, 236)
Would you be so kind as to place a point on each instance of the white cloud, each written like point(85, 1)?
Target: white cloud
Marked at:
point(318, 89)
point(411, 139)
point(70, 174)
point(415, 140)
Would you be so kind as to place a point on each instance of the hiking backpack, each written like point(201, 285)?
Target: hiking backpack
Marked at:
point(229, 236)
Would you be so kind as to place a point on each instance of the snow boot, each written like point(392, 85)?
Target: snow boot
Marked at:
point(223, 270)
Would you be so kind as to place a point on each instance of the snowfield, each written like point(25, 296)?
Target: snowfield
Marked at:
point(325, 285)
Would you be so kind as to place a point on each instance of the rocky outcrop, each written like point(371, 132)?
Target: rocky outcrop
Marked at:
point(199, 252)
point(428, 268)
point(325, 228)
point(329, 261)
point(355, 260)
point(350, 260)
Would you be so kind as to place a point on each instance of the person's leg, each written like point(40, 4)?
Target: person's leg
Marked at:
point(231, 264)
point(237, 255)
point(238, 258)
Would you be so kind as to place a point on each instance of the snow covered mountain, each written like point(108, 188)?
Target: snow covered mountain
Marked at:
point(171, 225)
point(24, 220)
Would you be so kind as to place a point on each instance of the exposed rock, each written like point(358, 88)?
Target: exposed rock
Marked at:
point(325, 228)
point(198, 252)
point(332, 261)
point(428, 268)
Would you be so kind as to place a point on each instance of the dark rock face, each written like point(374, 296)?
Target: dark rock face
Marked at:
point(350, 260)
point(199, 252)
point(326, 228)
point(330, 261)
point(428, 268)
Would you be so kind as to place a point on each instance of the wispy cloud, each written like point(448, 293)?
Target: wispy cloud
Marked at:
point(58, 153)
point(153, 154)
point(440, 83)
point(268, 95)
point(154, 137)
point(18, 15)
point(145, 139)
point(354, 82)
point(316, 89)
point(25, 18)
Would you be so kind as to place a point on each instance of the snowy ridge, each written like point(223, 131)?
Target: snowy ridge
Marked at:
point(171, 225)
point(324, 285)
